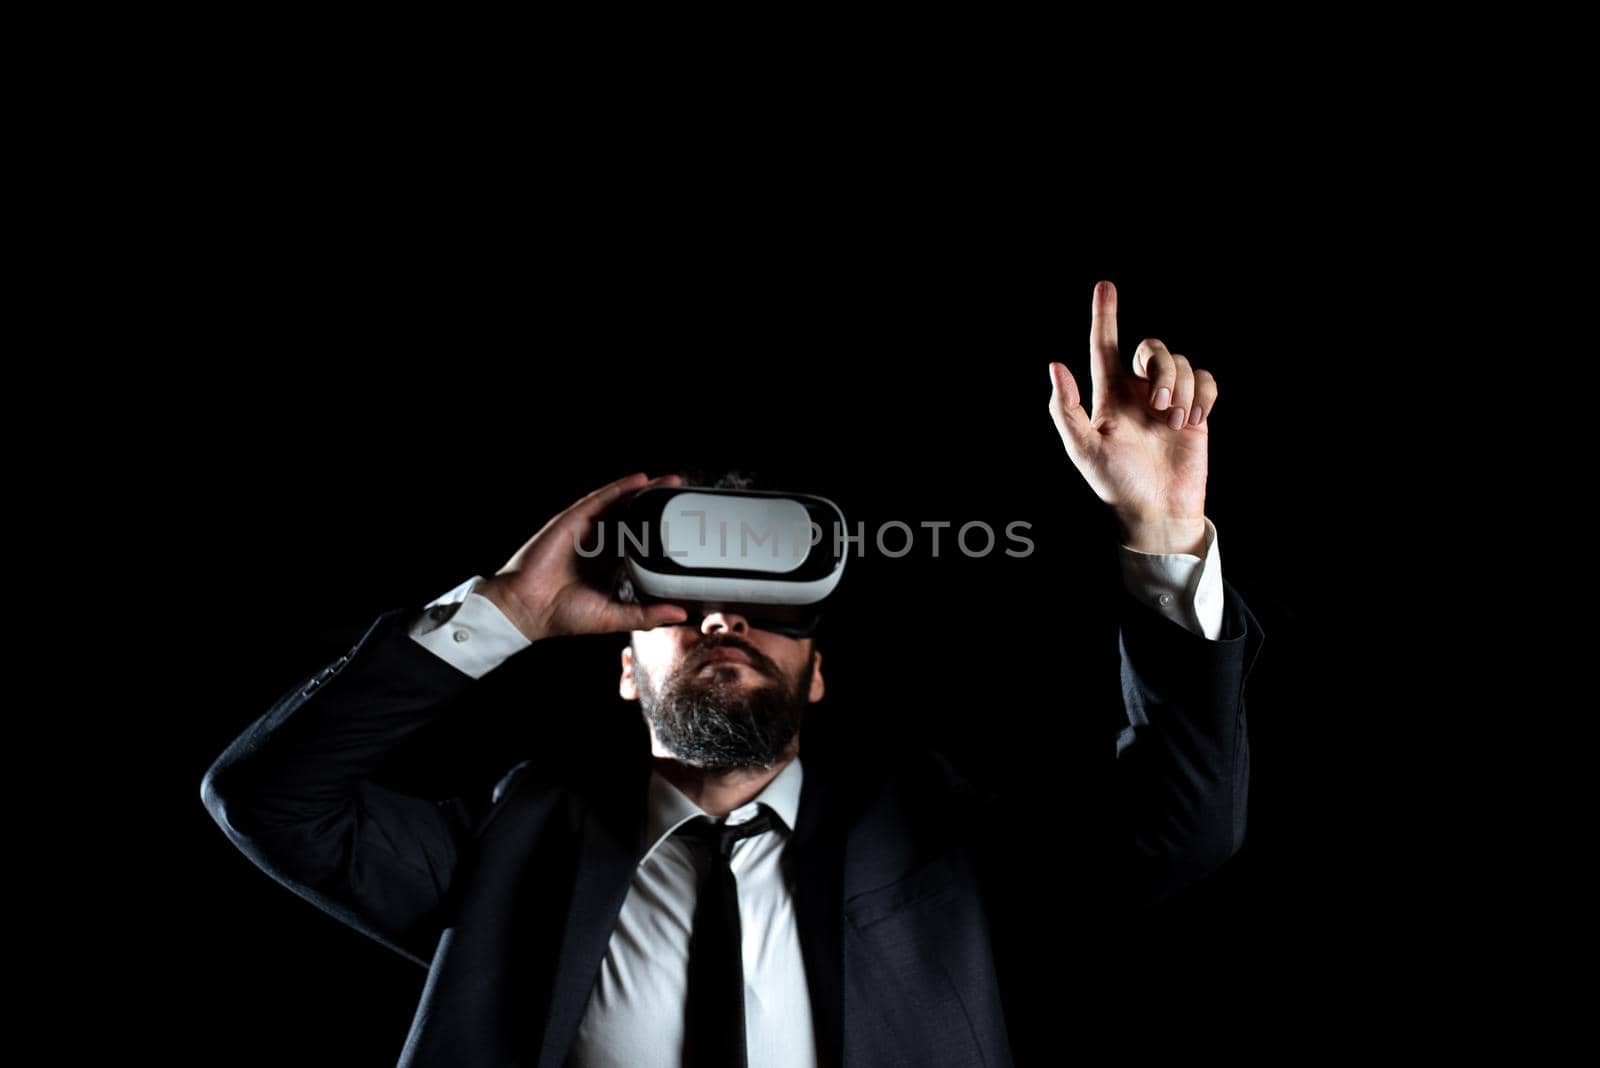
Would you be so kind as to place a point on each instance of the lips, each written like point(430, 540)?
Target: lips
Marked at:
point(718, 655)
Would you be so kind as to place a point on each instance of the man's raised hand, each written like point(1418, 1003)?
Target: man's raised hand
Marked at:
point(1143, 448)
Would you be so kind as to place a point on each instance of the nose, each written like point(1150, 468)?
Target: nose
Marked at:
point(723, 622)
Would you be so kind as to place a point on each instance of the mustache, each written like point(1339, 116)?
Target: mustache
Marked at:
point(711, 645)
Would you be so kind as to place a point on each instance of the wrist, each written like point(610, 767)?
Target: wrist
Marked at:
point(1164, 534)
point(513, 607)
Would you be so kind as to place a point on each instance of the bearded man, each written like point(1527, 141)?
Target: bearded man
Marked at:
point(714, 897)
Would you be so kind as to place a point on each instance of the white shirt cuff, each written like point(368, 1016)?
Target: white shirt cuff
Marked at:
point(467, 631)
point(1185, 588)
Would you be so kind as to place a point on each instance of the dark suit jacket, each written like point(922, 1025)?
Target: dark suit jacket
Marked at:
point(510, 899)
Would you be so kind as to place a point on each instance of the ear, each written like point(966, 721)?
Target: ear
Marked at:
point(818, 687)
point(626, 687)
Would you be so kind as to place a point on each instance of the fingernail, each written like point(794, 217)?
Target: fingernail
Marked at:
point(1163, 397)
point(1195, 416)
point(1201, 419)
point(1176, 419)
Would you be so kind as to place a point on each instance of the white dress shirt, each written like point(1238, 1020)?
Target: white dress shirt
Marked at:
point(634, 1017)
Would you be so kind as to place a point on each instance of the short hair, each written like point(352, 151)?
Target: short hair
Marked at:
point(730, 478)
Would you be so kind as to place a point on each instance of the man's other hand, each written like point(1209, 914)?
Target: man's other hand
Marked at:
point(1143, 449)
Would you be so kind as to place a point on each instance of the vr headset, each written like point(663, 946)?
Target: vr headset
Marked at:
point(772, 557)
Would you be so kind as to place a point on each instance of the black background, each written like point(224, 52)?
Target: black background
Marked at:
point(402, 395)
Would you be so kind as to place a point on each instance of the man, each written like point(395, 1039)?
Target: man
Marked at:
point(714, 897)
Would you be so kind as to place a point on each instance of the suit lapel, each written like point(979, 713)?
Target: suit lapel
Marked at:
point(816, 856)
point(608, 854)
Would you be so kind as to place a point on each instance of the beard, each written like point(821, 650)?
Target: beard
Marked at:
point(712, 719)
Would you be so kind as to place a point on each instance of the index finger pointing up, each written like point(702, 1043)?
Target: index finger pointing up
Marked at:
point(1105, 364)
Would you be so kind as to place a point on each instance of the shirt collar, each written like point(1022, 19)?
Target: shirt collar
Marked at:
point(669, 808)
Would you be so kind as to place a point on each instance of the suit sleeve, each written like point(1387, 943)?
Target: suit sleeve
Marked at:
point(295, 791)
point(1182, 774)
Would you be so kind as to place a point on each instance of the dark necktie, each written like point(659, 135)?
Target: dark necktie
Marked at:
point(714, 1025)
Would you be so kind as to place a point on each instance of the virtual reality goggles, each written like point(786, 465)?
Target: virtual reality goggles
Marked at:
point(772, 557)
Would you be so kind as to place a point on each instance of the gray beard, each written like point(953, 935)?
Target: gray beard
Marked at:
point(707, 720)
